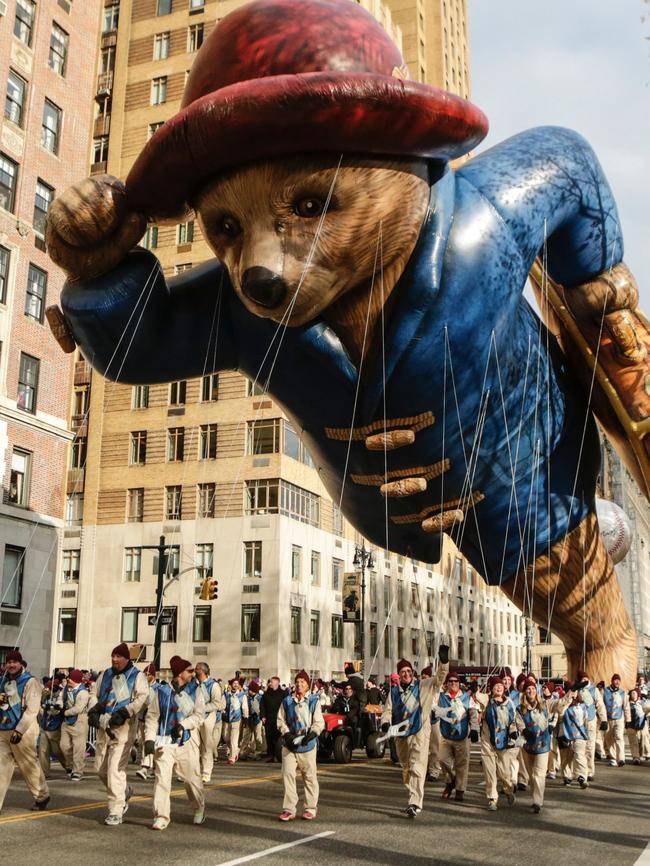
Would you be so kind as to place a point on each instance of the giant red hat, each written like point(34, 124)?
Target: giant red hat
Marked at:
point(282, 77)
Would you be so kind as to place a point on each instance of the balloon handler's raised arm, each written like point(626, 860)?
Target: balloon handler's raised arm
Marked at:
point(130, 323)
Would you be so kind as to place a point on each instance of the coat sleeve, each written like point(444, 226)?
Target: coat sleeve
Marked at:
point(215, 699)
point(244, 708)
point(196, 717)
point(31, 705)
point(317, 722)
point(140, 693)
point(152, 718)
point(387, 714)
point(546, 183)
point(626, 708)
point(80, 704)
point(601, 710)
point(283, 727)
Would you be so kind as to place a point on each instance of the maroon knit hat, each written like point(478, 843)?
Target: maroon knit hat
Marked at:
point(150, 670)
point(520, 679)
point(178, 665)
point(303, 675)
point(253, 687)
point(582, 675)
point(121, 650)
point(493, 681)
point(15, 656)
point(615, 677)
point(427, 671)
point(403, 663)
point(450, 675)
point(76, 676)
point(530, 681)
point(282, 77)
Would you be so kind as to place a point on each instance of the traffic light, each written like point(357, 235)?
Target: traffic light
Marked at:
point(209, 589)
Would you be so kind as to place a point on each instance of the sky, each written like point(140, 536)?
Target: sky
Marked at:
point(584, 64)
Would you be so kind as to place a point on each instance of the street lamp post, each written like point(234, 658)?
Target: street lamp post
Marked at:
point(363, 559)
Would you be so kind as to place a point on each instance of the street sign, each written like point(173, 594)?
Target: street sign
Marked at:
point(166, 619)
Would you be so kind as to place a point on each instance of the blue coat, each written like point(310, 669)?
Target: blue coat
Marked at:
point(468, 365)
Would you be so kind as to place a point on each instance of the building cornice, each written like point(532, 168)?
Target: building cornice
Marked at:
point(11, 413)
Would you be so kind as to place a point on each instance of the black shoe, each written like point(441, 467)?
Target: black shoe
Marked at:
point(431, 777)
point(567, 781)
point(621, 763)
point(583, 782)
point(39, 805)
point(590, 778)
point(412, 811)
point(449, 787)
point(521, 786)
point(460, 796)
point(536, 808)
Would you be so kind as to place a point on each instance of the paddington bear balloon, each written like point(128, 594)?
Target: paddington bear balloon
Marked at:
point(378, 293)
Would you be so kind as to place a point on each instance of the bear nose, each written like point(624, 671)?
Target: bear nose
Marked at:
point(263, 287)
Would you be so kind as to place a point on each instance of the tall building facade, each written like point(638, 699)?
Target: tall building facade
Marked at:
point(47, 73)
point(215, 467)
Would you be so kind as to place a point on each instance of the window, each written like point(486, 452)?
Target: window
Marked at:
point(337, 520)
point(202, 627)
point(140, 397)
point(168, 632)
point(430, 641)
point(159, 90)
point(544, 635)
point(203, 558)
point(12, 576)
point(28, 382)
point(459, 609)
point(295, 624)
point(24, 20)
point(15, 98)
point(268, 496)
point(208, 442)
point(5, 258)
point(177, 391)
point(67, 631)
point(373, 592)
point(546, 667)
point(252, 559)
point(71, 566)
point(314, 570)
point(74, 509)
point(400, 596)
point(51, 126)
point(81, 398)
point(42, 201)
point(107, 60)
point(129, 629)
point(293, 447)
point(196, 4)
point(78, 453)
point(185, 233)
point(472, 650)
point(173, 496)
point(194, 37)
point(35, 294)
point(314, 628)
point(414, 641)
point(253, 388)
point(181, 268)
point(150, 239)
point(135, 504)
point(461, 649)
point(172, 563)
point(337, 631)
point(161, 46)
point(8, 180)
point(458, 570)
point(470, 612)
point(163, 7)
point(21, 464)
point(100, 149)
point(210, 388)
point(337, 574)
point(263, 436)
point(138, 451)
point(111, 19)
point(429, 601)
point(251, 615)
point(387, 652)
point(175, 444)
point(207, 495)
point(59, 41)
point(296, 562)
point(400, 642)
point(373, 638)
point(132, 564)
point(386, 594)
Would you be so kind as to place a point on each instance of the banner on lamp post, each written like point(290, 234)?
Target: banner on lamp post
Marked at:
point(352, 596)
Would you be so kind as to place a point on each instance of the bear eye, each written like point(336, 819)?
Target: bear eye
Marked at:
point(309, 206)
point(229, 226)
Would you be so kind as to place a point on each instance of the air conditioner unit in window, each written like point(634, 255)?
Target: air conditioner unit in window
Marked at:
point(3, 7)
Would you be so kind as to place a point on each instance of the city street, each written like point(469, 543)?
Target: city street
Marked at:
point(358, 823)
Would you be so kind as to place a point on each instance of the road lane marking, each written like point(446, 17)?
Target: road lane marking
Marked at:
point(177, 792)
point(644, 859)
point(268, 851)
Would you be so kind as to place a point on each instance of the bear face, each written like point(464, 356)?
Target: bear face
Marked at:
point(296, 235)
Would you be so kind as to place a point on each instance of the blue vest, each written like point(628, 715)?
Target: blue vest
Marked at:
point(50, 720)
point(499, 718)
point(589, 701)
point(637, 716)
point(14, 689)
point(406, 705)
point(69, 697)
point(614, 703)
point(107, 695)
point(254, 716)
point(574, 723)
point(175, 707)
point(206, 688)
point(234, 704)
point(300, 717)
point(538, 738)
point(459, 729)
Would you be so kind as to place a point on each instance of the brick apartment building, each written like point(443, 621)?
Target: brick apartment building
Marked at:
point(47, 82)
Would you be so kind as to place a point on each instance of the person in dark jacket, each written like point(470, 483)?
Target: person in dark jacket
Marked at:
point(269, 708)
point(355, 680)
point(347, 705)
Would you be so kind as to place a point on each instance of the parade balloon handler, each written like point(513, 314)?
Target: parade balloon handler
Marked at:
point(210, 729)
point(20, 701)
point(637, 727)
point(458, 716)
point(433, 763)
point(596, 717)
point(121, 692)
point(74, 699)
point(408, 706)
point(235, 712)
point(300, 723)
point(314, 165)
point(498, 735)
point(50, 719)
point(617, 705)
point(172, 726)
point(572, 739)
